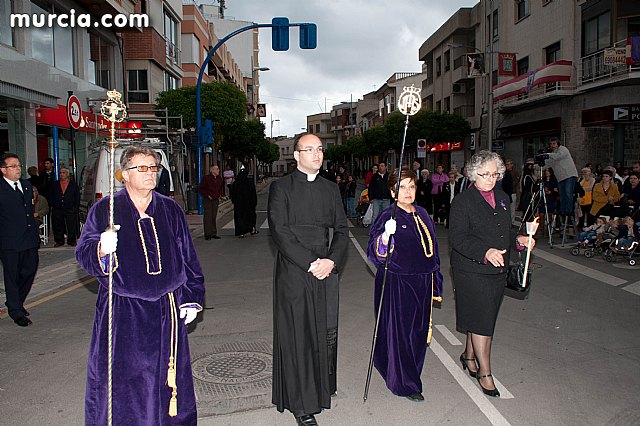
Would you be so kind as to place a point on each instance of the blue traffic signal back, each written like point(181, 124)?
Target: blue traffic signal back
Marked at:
point(280, 34)
point(308, 36)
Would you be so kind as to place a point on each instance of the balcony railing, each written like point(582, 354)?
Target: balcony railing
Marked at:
point(174, 56)
point(543, 91)
point(592, 68)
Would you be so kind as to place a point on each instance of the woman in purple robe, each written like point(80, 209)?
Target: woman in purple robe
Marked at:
point(413, 282)
point(156, 275)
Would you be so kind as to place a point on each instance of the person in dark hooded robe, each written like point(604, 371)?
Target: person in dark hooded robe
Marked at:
point(244, 200)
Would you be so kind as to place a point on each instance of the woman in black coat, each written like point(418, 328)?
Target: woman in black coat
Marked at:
point(244, 200)
point(480, 240)
point(423, 193)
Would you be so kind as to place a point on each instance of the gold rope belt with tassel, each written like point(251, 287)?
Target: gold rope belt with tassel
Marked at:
point(173, 358)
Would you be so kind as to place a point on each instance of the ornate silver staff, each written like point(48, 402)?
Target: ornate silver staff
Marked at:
point(115, 111)
point(409, 104)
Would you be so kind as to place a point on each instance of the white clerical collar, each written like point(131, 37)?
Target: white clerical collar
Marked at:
point(310, 177)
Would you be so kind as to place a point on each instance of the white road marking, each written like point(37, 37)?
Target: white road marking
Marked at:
point(265, 224)
point(633, 288)
point(363, 255)
point(230, 225)
point(451, 338)
point(482, 402)
point(580, 269)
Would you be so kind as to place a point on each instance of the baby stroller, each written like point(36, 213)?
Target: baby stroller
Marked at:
point(611, 254)
point(595, 245)
point(361, 209)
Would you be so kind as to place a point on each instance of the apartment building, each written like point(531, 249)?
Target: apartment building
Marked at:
point(38, 69)
point(320, 125)
point(542, 73)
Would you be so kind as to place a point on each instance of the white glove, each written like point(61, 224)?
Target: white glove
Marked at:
point(189, 314)
point(109, 240)
point(389, 229)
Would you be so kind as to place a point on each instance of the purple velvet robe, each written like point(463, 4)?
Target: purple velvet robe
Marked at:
point(414, 280)
point(141, 312)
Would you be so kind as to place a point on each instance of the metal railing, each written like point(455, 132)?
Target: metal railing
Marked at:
point(465, 110)
point(592, 68)
point(173, 53)
point(563, 88)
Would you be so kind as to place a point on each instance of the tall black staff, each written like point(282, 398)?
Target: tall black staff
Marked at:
point(113, 110)
point(409, 104)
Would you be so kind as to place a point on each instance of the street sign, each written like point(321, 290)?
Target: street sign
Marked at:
point(74, 112)
point(472, 141)
point(422, 148)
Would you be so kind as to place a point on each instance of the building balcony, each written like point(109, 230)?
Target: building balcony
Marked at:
point(173, 54)
point(593, 72)
point(538, 94)
point(465, 111)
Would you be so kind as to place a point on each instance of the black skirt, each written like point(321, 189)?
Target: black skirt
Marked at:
point(478, 300)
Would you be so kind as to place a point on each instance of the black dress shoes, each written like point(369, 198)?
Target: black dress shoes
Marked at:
point(22, 321)
point(307, 420)
point(416, 397)
point(216, 237)
point(207, 238)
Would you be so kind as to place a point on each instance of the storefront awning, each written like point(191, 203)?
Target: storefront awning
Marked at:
point(552, 73)
point(13, 91)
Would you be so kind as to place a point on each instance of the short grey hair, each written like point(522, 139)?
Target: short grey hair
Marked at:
point(133, 150)
point(480, 159)
point(424, 171)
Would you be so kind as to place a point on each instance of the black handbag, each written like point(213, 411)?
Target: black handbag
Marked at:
point(515, 276)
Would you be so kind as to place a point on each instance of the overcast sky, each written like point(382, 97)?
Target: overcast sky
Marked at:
point(361, 43)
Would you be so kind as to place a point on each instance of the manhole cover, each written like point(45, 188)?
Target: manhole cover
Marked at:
point(227, 368)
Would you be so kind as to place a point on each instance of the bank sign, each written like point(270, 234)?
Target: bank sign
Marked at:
point(626, 113)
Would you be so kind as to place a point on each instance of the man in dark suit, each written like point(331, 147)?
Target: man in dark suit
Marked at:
point(19, 239)
point(449, 190)
point(46, 178)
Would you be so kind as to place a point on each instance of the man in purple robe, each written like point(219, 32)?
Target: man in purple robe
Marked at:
point(156, 275)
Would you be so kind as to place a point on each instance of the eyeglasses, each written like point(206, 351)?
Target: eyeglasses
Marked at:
point(488, 175)
point(143, 168)
point(14, 166)
point(310, 150)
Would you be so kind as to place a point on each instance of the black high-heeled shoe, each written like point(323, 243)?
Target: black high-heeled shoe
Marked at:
point(490, 392)
point(464, 360)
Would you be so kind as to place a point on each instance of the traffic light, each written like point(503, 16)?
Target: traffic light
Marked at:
point(308, 36)
point(280, 34)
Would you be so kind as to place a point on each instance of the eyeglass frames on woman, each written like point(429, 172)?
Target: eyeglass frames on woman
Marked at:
point(144, 168)
point(488, 175)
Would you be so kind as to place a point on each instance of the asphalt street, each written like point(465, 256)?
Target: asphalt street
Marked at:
point(569, 354)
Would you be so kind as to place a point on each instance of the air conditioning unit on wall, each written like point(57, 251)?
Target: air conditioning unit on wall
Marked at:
point(458, 88)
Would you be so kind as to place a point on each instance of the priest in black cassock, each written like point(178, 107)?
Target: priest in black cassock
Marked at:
point(302, 210)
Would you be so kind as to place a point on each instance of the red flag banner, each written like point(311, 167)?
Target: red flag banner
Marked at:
point(506, 63)
point(633, 50)
point(552, 73)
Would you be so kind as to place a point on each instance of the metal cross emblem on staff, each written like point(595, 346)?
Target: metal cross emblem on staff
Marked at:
point(409, 102)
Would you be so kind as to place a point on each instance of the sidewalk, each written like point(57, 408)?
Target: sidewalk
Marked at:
point(58, 268)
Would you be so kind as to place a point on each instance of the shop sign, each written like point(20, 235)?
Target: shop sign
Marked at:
point(89, 122)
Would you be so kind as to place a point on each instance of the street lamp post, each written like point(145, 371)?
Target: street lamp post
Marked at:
point(255, 98)
point(273, 121)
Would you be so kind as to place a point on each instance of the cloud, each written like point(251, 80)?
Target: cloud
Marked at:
point(360, 45)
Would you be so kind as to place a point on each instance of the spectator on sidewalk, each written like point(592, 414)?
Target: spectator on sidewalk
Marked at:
point(586, 182)
point(631, 196)
point(164, 182)
point(351, 196)
point(565, 171)
point(605, 196)
point(302, 208)
point(157, 280)
point(19, 239)
point(379, 193)
point(211, 189)
point(373, 171)
point(437, 179)
point(65, 203)
point(508, 185)
point(414, 281)
point(229, 177)
point(245, 199)
point(423, 194)
point(46, 178)
point(40, 207)
point(34, 179)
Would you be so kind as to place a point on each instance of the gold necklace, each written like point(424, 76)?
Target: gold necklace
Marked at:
point(144, 247)
point(422, 228)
